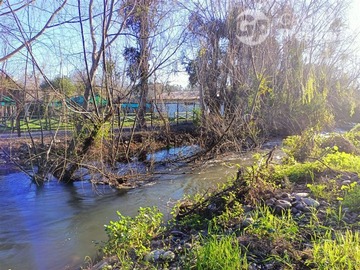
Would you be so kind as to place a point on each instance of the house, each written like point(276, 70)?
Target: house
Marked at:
point(175, 103)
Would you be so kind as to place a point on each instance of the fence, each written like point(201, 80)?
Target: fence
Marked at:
point(37, 122)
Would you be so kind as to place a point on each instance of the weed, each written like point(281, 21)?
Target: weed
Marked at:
point(297, 172)
point(218, 252)
point(339, 252)
point(301, 147)
point(327, 191)
point(129, 235)
point(352, 199)
point(343, 162)
point(268, 225)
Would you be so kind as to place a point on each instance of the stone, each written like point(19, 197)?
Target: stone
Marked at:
point(270, 202)
point(283, 204)
point(247, 222)
point(154, 255)
point(187, 246)
point(285, 196)
point(168, 256)
point(346, 182)
point(300, 195)
point(294, 211)
point(311, 202)
point(301, 206)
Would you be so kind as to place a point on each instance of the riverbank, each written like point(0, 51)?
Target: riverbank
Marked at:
point(301, 214)
point(43, 150)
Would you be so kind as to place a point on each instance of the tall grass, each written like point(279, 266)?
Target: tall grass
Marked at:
point(339, 252)
point(218, 253)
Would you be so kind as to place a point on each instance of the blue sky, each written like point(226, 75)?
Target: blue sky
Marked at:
point(67, 49)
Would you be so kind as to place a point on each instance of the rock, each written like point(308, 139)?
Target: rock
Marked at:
point(284, 204)
point(301, 206)
point(311, 202)
point(247, 208)
point(285, 196)
point(154, 255)
point(187, 246)
point(168, 256)
point(247, 222)
point(270, 202)
point(294, 211)
point(346, 182)
point(300, 195)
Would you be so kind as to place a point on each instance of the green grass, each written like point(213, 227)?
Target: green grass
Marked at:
point(338, 251)
point(297, 172)
point(38, 124)
point(132, 234)
point(268, 225)
point(352, 199)
point(343, 162)
point(218, 252)
point(53, 123)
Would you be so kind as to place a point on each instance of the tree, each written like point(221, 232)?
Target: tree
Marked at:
point(280, 83)
point(62, 85)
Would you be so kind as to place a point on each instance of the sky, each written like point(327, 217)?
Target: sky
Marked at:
point(180, 78)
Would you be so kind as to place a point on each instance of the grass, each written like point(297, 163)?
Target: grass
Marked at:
point(38, 124)
point(132, 235)
point(336, 251)
point(53, 123)
point(218, 252)
point(352, 199)
point(268, 225)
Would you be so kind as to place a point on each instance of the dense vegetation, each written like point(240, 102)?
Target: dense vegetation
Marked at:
point(294, 215)
point(297, 71)
point(260, 69)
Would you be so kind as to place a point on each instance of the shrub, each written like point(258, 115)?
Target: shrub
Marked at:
point(300, 147)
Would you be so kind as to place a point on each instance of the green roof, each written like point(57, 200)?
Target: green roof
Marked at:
point(6, 101)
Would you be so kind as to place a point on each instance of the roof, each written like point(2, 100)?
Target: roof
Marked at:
point(80, 100)
point(6, 101)
point(179, 95)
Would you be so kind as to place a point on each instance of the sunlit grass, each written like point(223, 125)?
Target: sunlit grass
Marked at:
point(341, 251)
point(268, 225)
point(218, 252)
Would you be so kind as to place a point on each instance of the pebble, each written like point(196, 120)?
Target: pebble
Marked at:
point(283, 204)
point(247, 222)
point(300, 195)
point(187, 246)
point(154, 255)
point(168, 256)
point(311, 202)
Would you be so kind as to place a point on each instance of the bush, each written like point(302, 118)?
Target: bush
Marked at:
point(300, 147)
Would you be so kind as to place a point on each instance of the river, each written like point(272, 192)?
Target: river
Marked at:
point(55, 226)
